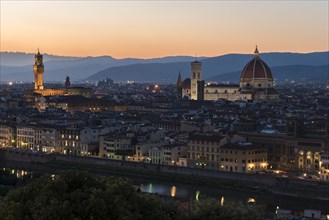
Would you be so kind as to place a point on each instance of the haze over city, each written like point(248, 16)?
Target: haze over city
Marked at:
point(147, 29)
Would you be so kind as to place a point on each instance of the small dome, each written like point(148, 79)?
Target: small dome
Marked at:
point(186, 84)
point(256, 69)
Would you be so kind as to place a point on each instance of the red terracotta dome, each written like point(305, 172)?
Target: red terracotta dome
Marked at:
point(186, 83)
point(256, 69)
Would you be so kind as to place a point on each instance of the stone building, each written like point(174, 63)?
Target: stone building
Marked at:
point(114, 144)
point(324, 166)
point(296, 149)
point(70, 141)
point(203, 150)
point(243, 158)
point(25, 137)
point(7, 135)
point(39, 90)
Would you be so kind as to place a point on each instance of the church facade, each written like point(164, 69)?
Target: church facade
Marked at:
point(256, 83)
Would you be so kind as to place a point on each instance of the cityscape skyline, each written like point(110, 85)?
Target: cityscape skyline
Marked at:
point(183, 109)
point(158, 29)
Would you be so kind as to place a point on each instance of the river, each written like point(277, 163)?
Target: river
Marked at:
point(192, 192)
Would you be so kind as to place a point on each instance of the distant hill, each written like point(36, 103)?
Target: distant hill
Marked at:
point(298, 73)
point(18, 66)
point(23, 59)
point(214, 66)
point(153, 72)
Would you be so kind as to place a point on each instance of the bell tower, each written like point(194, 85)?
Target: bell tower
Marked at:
point(38, 70)
point(197, 84)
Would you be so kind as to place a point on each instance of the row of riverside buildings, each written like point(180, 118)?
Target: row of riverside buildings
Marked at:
point(243, 152)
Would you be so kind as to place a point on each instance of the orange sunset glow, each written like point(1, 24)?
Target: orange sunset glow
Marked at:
point(162, 28)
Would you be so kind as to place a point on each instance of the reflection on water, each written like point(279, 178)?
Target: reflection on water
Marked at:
point(173, 191)
point(222, 200)
point(188, 191)
point(165, 190)
point(18, 173)
point(251, 201)
point(197, 193)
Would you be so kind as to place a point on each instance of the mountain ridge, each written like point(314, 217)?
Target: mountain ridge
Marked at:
point(210, 66)
point(87, 68)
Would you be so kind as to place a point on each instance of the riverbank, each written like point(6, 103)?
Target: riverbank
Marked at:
point(254, 185)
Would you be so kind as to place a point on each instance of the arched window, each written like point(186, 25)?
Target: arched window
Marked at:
point(193, 74)
point(259, 85)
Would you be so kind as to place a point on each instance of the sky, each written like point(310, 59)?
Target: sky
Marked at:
point(146, 29)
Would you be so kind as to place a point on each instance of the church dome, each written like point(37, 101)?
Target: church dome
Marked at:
point(186, 84)
point(256, 69)
point(256, 75)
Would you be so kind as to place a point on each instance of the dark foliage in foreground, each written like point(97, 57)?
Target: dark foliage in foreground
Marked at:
point(76, 195)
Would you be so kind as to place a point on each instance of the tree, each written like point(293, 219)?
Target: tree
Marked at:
point(77, 195)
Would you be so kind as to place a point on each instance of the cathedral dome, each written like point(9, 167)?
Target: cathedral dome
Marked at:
point(186, 84)
point(256, 74)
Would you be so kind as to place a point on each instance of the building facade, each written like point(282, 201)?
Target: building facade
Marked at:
point(114, 144)
point(7, 135)
point(46, 139)
point(243, 158)
point(324, 166)
point(70, 141)
point(25, 137)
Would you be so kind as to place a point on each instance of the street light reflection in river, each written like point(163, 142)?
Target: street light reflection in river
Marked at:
point(173, 191)
point(222, 200)
point(150, 188)
point(197, 195)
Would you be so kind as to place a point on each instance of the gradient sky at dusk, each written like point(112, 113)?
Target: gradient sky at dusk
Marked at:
point(161, 28)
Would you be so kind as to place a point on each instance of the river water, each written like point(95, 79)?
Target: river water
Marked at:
point(194, 192)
